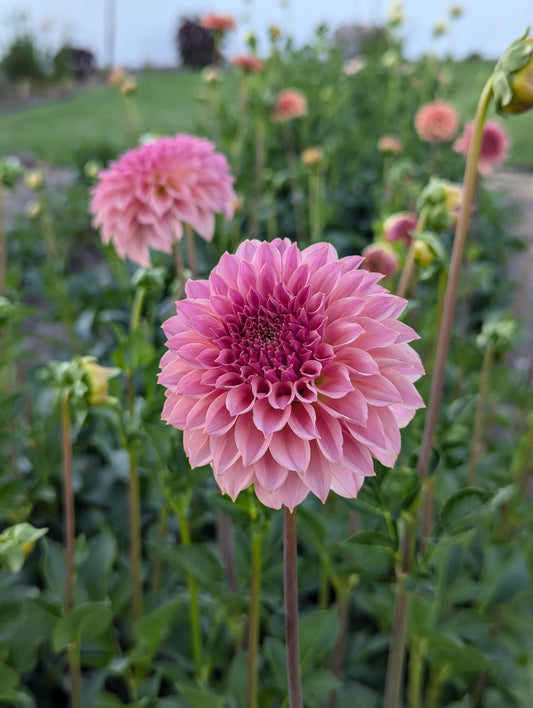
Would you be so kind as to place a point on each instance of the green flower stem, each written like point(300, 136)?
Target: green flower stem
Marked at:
point(290, 588)
point(3, 245)
point(315, 183)
point(69, 521)
point(133, 118)
point(161, 533)
point(259, 161)
point(178, 263)
point(254, 620)
point(393, 681)
point(475, 443)
point(416, 663)
point(523, 458)
point(450, 297)
point(133, 481)
point(191, 250)
point(296, 192)
point(182, 512)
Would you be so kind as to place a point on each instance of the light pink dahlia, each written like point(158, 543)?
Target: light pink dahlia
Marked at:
point(142, 199)
point(289, 370)
point(436, 122)
point(495, 145)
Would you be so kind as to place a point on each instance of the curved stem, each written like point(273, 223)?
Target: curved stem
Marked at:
point(450, 297)
point(254, 618)
point(290, 588)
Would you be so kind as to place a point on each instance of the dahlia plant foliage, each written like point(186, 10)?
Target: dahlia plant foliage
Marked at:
point(266, 389)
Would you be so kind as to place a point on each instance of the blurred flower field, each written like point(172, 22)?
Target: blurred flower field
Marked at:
point(264, 439)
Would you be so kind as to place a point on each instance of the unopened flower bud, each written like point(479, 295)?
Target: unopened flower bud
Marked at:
point(424, 255)
point(211, 75)
point(379, 258)
point(91, 168)
point(440, 28)
point(34, 179)
point(128, 87)
point(390, 144)
point(456, 11)
point(311, 156)
point(10, 171)
point(274, 32)
point(513, 78)
point(97, 380)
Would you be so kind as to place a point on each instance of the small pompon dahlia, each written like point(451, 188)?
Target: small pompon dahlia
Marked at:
point(218, 23)
point(289, 104)
point(249, 64)
point(380, 258)
point(495, 145)
point(436, 122)
point(289, 370)
point(400, 227)
point(142, 199)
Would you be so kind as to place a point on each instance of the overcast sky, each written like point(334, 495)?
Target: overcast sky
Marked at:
point(145, 31)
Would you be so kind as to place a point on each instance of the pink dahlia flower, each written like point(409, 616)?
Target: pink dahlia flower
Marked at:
point(251, 65)
point(495, 145)
point(289, 104)
point(142, 199)
point(400, 227)
point(379, 258)
point(218, 23)
point(436, 122)
point(289, 370)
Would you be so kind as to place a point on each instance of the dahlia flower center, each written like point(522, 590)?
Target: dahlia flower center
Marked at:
point(275, 337)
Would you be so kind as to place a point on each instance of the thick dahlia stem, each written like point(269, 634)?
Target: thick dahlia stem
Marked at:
point(475, 443)
point(253, 619)
point(178, 263)
point(450, 297)
point(191, 250)
point(194, 606)
point(290, 589)
point(73, 649)
point(226, 545)
point(3, 245)
point(315, 194)
point(409, 267)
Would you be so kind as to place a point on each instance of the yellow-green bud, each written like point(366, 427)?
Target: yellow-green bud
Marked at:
point(311, 156)
point(513, 78)
point(97, 379)
point(424, 255)
point(34, 179)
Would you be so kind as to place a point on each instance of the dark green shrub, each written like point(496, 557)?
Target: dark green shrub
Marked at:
point(23, 60)
point(196, 45)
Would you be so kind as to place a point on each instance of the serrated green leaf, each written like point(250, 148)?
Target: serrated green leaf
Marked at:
point(88, 620)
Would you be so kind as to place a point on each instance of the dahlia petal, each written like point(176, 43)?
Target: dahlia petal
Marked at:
point(359, 361)
point(356, 457)
point(268, 419)
point(240, 399)
point(334, 381)
point(370, 434)
point(197, 414)
point(318, 254)
point(270, 474)
point(378, 390)
point(197, 447)
point(176, 409)
point(218, 419)
point(191, 384)
point(289, 450)
point(198, 289)
point(346, 484)
point(353, 407)
point(318, 475)
point(409, 394)
point(251, 442)
point(293, 491)
point(224, 452)
point(330, 435)
point(270, 499)
point(340, 333)
point(236, 478)
point(302, 421)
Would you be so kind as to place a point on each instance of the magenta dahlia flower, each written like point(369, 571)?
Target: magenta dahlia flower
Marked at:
point(289, 370)
point(142, 199)
point(495, 145)
point(436, 122)
point(380, 258)
point(400, 227)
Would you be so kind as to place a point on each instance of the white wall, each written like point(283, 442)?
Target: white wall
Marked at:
point(145, 28)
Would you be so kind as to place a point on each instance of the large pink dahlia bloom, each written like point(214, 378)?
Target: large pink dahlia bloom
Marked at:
point(289, 370)
point(142, 199)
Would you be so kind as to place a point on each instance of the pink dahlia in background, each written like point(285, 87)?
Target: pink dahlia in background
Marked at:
point(495, 145)
point(218, 23)
point(390, 144)
point(379, 258)
point(289, 104)
point(436, 122)
point(142, 199)
point(400, 227)
point(289, 370)
point(251, 65)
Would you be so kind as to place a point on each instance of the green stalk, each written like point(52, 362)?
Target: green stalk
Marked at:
point(259, 161)
point(178, 263)
point(3, 245)
point(73, 649)
point(296, 192)
point(254, 621)
point(290, 588)
point(226, 545)
point(181, 509)
point(416, 665)
point(191, 250)
point(450, 297)
point(475, 443)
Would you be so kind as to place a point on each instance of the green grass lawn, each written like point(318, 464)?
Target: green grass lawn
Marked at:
point(58, 130)
point(62, 130)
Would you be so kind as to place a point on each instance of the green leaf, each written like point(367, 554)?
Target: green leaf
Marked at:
point(199, 698)
point(463, 507)
point(8, 679)
point(512, 577)
point(371, 553)
point(152, 628)
point(17, 542)
point(88, 620)
point(317, 685)
point(318, 632)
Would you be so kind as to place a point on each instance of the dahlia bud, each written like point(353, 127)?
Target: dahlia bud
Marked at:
point(424, 255)
point(311, 156)
point(456, 11)
point(390, 144)
point(379, 258)
point(97, 380)
point(91, 168)
point(128, 87)
point(211, 75)
point(441, 201)
point(513, 78)
point(34, 179)
point(10, 171)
